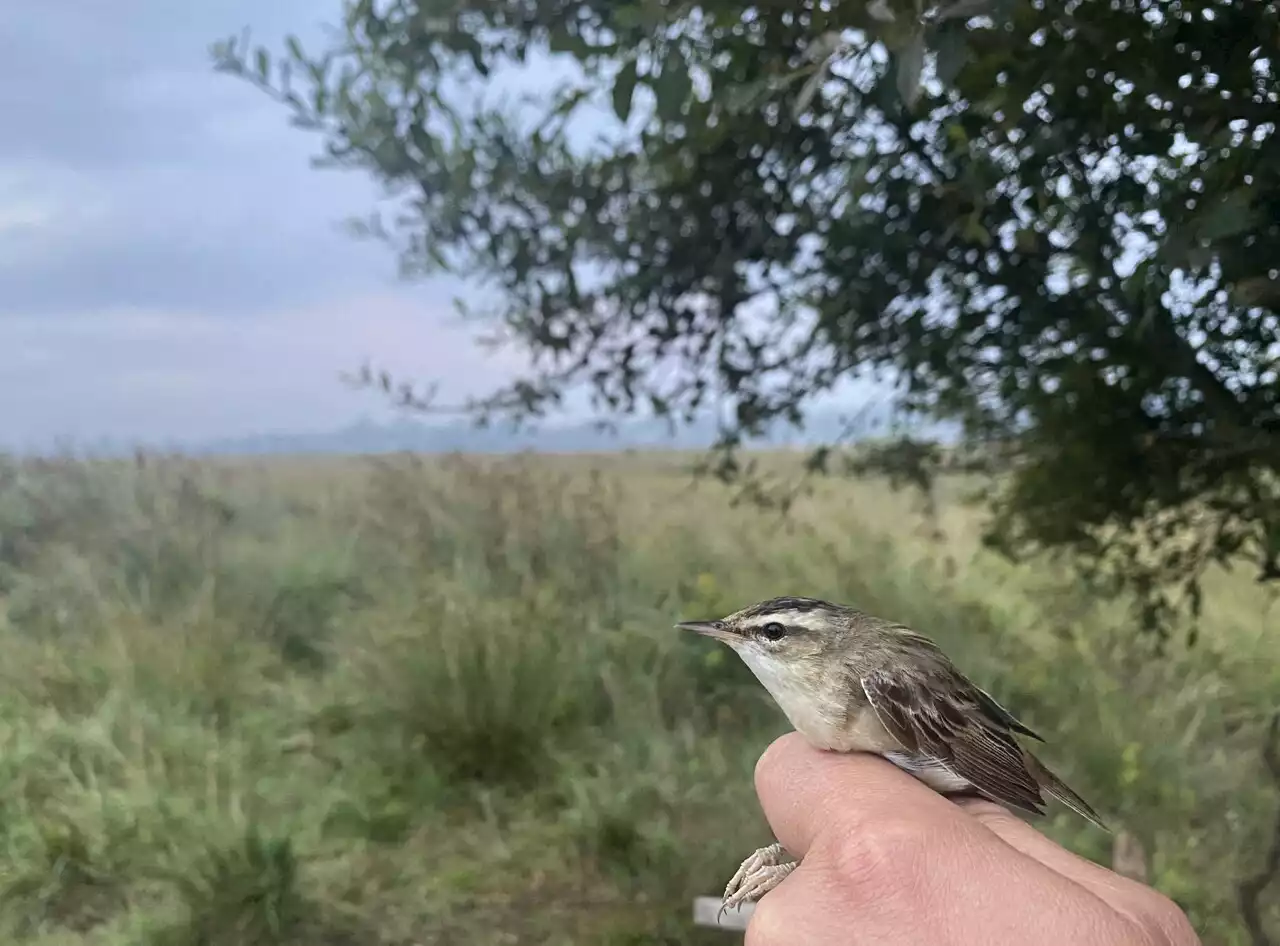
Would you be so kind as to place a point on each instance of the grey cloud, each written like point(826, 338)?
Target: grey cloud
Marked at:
point(170, 264)
point(158, 244)
point(71, 73)
point(143, 376)
point(143, 178)
point(171, 185)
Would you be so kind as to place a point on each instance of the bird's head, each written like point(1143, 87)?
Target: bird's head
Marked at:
point(780, 630)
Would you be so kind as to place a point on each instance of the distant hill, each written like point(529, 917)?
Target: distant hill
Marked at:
point(370, 437)
point(415, 436)
point(367, 437)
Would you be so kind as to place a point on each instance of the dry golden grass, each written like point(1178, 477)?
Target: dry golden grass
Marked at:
point(438, 701)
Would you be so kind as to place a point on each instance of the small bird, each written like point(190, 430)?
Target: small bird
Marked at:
point(852, 682)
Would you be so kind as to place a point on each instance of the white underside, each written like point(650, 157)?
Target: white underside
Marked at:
point(829, 726)
point(933, 773)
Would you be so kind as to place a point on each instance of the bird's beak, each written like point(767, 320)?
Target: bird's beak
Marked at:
point(714, 629)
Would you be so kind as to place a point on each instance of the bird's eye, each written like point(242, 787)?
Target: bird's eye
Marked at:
point(773, 631)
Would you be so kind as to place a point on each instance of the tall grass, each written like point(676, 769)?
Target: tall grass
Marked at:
point(437, 701)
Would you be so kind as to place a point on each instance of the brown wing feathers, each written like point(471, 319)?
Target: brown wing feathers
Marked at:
point(998, 772)
point(952, 721)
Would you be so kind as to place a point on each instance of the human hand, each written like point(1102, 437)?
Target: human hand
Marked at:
point(887, 861)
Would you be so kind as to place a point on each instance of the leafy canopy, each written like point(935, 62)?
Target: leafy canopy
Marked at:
point(1056, 221)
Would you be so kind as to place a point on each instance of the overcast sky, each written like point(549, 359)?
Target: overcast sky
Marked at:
point(170, 265)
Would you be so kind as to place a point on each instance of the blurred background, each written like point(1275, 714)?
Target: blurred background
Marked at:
point(380, 381)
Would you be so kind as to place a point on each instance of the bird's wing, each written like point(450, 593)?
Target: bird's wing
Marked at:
point(944, 668)
point(937, 713)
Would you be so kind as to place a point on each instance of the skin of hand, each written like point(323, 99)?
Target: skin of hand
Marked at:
point(887, 861)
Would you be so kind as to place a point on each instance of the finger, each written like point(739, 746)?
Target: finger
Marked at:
point(1120, 892)
point(806, 792)
point(817, 802)
point(897, 862)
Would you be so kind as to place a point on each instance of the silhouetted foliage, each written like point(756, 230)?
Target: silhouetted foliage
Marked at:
point(1053, 221)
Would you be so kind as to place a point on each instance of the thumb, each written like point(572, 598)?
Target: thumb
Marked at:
point(807, 793)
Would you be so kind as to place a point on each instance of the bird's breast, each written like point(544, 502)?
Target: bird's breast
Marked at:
point(861, 731)
point(830, 717)
point(826, 715)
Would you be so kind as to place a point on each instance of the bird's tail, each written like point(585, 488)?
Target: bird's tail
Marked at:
point(1057, 788)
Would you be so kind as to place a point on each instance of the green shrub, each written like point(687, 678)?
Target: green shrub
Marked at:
point(240, 894)
point(481, 689)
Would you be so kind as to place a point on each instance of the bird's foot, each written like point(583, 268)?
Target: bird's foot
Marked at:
point(759, 874)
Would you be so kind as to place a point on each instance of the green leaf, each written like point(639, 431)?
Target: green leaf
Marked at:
point(673, 86)
point(624, 87)
point(884, 94)
point(1003, 11)
point(263, 63)
point(569, 102)
point(808, 91)
point(910, 70)
point(1230, 217)
point(744, 96)
point(562, 41)
point(1257, 291)
point(963, 10)
point(474, 50)
point(952, 50)
point(880, 11)
point(824, 47)
point(1027, 241)
point(295, 48)
point(976, 232)
point(897, 34)
point(629, 16)
point(1079, 271)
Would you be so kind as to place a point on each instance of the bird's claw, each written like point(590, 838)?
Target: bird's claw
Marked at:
point(757, 875)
